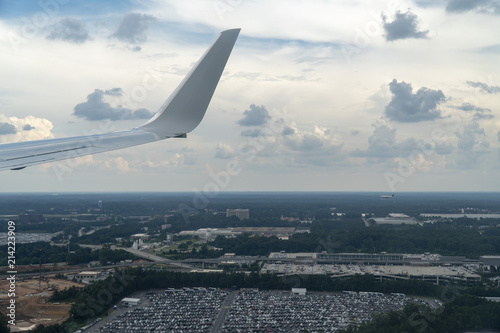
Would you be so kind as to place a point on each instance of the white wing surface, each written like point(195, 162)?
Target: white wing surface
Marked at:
point(180, 114)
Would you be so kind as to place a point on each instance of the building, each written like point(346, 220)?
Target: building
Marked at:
point(299, 291)
point(239, 213)
point(492, 262)
point(127, 301)
point(87, 276)
point(395, 218)
point(209, 234)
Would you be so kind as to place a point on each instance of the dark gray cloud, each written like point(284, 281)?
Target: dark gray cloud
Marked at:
point(429, 3)
point(480, 113)
point(407, 107)
point(95, 108)
point(405, 25)
point(288, 131)
point(479, 6)
point(69, 30)
point(6, 128)
point(256, 116)
point(28, 127)
point(471, 107)
point(133, 28)
point(484, 87)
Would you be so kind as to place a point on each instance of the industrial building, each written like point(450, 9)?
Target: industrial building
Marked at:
point(426, 267)
point(239, 213)
point(209, 234)
point(491, 263)
point(395, 218)
point(127, 301)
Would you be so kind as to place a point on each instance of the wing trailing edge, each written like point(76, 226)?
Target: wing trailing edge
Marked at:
point(181, 113)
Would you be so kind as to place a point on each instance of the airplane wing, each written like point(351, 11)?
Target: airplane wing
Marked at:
point(180, 114)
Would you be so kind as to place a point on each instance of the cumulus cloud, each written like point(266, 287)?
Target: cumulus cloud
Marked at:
point(118, 164)
point(13, 129)
point(404, 25)
point(405, 106)
point(308, 141)
point(482, 116)
point(133, 28)
point(472, 137)
point(479, 6)
point(480, 113)
point(471, 107)
point(69, 30)
point(484, 87)
point(383, 144)
point(224, 151)
point(95, 108)
point(255, 116)
point(473, 146)
point(253, 133)
point(6, 128)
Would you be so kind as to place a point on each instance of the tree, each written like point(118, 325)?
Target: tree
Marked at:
point(4, 327)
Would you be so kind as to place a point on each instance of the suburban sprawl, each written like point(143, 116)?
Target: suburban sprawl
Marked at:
point(254, 262)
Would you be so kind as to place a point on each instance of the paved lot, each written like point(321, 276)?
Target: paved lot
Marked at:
point(214, 311)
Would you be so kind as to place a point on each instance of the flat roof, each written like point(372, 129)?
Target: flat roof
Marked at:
point(128, 299)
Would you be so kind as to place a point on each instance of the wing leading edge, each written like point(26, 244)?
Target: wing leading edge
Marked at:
point(180, 114)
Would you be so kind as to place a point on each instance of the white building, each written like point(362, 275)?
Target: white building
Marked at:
point(239, 213)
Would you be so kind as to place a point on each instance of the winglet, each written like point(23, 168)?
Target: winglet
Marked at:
point(185, 108)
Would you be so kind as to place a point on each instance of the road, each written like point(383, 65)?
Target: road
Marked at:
point(221, 318)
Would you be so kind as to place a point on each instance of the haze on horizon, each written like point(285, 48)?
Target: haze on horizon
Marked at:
point(316, 96)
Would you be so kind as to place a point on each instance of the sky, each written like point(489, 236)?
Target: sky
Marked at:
point(387, 96)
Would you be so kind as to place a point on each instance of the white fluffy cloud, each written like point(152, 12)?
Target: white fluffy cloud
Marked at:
point(25, 129)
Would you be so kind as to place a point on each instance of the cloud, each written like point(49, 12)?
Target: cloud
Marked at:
point(253, 133)
point(408, 107)
point(133, 28)
point(24, 129)
point(479, 112)
point(6, 128)
point(383, 144)
point(405, 25)
point(482, 116)
point(288, 131)
point(95, 108)
point(308, 141)
point(471, 107)
point(224, 151)
point(473, 146)
point(69, 30)
point(118, 164)
point(480, 6)
point(484, 87)
point(256, 116)
point(472, 137)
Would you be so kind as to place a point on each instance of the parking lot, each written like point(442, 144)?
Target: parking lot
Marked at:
point(196, 310)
